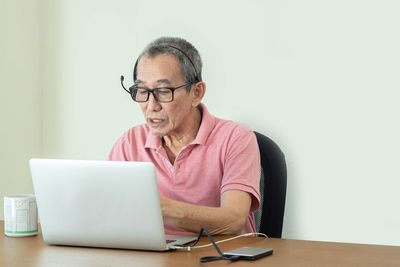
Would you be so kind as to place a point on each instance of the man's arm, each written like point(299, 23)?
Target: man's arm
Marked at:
point(227, 219)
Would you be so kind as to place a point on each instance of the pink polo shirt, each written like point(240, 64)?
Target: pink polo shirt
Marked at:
point(224, 156)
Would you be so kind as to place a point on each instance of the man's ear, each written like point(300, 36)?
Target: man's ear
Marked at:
point(198, 91)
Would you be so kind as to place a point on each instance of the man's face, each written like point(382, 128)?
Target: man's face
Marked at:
point(164, 118)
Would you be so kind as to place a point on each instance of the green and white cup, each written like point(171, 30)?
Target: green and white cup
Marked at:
point(20, 215)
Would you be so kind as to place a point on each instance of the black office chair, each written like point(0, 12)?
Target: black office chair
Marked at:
point(269, 217)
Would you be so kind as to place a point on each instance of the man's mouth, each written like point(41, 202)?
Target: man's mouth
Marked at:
point(156, 121)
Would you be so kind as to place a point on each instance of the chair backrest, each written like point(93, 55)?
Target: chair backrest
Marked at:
point(269, 217)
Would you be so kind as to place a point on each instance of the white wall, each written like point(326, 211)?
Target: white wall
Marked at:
point(20, 95)
point(323, 80)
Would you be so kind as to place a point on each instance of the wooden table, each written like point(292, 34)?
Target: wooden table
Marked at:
point(33, 251)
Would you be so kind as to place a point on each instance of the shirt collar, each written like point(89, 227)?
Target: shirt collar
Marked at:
point(153, 141)
point(207, 124)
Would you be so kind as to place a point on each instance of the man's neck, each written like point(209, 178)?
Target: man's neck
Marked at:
point(174, 142)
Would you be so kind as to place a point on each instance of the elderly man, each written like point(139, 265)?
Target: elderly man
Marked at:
point(208, 169)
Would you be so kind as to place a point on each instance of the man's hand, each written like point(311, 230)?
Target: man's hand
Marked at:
point(227, 219)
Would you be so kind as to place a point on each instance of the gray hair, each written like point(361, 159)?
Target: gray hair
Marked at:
point(187, 55)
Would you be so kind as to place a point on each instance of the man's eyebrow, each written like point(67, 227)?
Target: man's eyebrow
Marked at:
point(164, 81)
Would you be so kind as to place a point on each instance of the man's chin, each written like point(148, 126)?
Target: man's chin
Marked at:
point(157, 133)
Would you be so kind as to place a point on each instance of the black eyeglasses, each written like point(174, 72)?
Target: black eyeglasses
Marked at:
point(161, 94)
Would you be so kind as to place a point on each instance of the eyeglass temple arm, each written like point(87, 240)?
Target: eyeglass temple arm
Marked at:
point(122, 83)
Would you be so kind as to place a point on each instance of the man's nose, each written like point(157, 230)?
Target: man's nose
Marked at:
point(153, 104)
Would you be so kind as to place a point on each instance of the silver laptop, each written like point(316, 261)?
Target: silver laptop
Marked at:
point(108, 204)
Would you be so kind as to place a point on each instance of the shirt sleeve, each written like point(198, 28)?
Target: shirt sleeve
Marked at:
point(120, 150)
point(242, 166)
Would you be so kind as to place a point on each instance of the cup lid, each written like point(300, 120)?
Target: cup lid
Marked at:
point(20, 196)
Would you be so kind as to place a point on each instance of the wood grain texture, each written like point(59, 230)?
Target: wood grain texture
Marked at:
point(33, 251)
